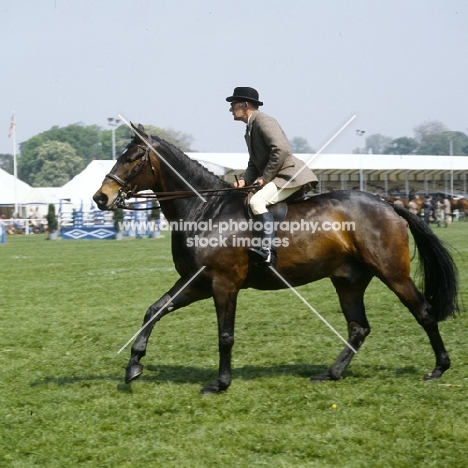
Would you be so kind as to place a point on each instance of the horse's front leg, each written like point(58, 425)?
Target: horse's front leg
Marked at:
point(225, 299)
point(174, 299)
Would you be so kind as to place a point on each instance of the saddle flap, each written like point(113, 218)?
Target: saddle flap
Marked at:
point(279, 210)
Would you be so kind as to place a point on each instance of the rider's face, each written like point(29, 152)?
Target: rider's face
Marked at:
point(239, 111)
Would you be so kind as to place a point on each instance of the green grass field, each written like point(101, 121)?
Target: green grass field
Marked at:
point(67, 307)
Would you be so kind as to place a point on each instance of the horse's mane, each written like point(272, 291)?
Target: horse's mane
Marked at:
point(196, 171)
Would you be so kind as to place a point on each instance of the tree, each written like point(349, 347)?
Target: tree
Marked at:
point(435, 144)
point(123, 135)
point(179, 139)
point(57, 163)
point(431, 139)
point(89, 142)
point(434, 138)
point(377, 143)
point(118, 218)
point(439, 143)
point(427, 129)
point(6, 163)
point(300, 145)
point(85, 140)
point(460, 143)
point(52, 223)
point(402, 145)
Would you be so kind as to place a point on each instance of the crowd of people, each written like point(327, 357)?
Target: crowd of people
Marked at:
point(433, 211)
point(35, 223)
point(438, 211)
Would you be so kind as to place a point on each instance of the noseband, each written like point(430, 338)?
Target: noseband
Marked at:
point(125, 190)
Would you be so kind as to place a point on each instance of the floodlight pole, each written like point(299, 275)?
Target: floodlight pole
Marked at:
point(360, 133)
point(451, 164)
point(113, 123)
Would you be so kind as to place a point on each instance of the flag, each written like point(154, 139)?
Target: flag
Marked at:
point(12, 126)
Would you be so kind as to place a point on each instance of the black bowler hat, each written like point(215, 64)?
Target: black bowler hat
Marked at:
point(245, 94)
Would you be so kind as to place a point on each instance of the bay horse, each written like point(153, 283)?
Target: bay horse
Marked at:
point(219, 268)
point(460, 204)
point(417, 200)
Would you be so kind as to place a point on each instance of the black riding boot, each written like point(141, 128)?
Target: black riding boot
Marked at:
point(265, 255)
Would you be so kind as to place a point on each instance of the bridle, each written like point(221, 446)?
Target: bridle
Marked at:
point(125, 190)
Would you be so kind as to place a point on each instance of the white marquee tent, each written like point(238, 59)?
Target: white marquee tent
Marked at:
point(80, 190)
point(12, 191)
point(16, 192)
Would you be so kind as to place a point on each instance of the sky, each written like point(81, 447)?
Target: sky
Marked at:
point(393, 64)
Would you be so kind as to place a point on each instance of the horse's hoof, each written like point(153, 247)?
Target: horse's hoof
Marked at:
point(132, 372)
point(432, 376)
point(325, 377)
point(209, 390)
point(213, 388)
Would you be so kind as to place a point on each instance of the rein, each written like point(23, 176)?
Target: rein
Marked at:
point(125, 191)
point(163, 196)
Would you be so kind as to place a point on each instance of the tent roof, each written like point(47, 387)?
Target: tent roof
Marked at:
point(354, 162)
point(25, 194)
point(371, 167)
point(49, 194)
point(84, 185)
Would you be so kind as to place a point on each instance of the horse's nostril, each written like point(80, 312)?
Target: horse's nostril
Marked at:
point(100, 198)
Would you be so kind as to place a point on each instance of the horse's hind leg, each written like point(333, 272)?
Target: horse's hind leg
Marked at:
point(414, 300)
point(351, 295)
point(174, 299)
point(442, 357)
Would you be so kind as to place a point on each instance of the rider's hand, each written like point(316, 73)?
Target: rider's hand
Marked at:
point(239, 183)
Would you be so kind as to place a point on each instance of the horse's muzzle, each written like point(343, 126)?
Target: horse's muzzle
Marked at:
point(102, 200)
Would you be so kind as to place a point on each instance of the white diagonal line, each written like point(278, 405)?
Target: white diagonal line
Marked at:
point(317, 153)
point(313, 310)
point(159, 155)
point(162, 308)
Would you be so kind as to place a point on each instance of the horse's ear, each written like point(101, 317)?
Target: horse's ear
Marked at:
point(138, 130)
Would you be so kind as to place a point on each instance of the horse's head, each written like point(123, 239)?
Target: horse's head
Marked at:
point(134, 171)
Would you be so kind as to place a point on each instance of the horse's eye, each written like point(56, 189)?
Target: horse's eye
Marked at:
point(133, 156)
point(123, 153)
point(130, 156)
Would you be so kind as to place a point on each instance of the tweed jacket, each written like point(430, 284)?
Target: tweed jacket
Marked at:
point(270, 155)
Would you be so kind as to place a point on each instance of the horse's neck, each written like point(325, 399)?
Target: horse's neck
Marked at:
point(181, 208)
point(179, 173)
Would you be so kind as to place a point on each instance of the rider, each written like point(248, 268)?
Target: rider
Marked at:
point(271, 164)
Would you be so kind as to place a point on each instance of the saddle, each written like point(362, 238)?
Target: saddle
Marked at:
point(280, 209)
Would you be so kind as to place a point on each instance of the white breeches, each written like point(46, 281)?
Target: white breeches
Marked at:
point(269, 195)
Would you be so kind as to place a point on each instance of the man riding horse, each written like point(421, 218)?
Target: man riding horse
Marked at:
point(272, 166)
point(378, 247)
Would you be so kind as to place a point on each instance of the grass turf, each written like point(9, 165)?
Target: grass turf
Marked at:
point(67, 307)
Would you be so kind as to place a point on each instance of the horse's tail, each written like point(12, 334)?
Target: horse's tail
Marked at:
point(440, 275)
